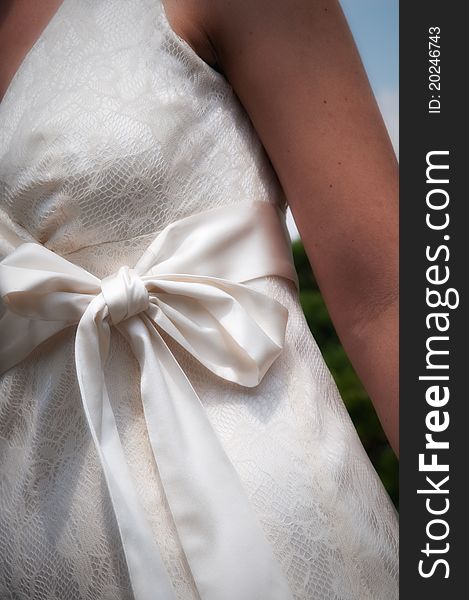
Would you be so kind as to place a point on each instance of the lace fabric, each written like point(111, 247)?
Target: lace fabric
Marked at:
point(111, 130)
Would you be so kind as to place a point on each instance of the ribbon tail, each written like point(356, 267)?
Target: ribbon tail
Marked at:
point(147, 573)
point(224, 543)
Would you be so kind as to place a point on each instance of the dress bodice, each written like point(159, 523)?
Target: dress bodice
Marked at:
point(113, 127)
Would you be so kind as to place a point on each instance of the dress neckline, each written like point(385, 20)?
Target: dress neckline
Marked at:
point(32, 49)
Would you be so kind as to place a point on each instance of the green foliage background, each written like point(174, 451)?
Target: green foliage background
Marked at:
point(354, 395)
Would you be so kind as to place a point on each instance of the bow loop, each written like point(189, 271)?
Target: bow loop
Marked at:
point(233, 330)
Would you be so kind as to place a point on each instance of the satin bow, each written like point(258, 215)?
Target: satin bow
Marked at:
point(191, 284)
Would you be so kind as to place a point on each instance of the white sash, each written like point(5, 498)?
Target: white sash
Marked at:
point(189, 283)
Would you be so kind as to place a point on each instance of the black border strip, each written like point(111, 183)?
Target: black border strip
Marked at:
point(422, 412)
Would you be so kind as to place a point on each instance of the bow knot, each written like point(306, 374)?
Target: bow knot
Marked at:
point(125, 294)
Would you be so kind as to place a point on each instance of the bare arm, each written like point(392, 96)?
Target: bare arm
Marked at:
point(296, 70)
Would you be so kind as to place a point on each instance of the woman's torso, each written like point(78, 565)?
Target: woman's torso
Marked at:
point(112, 129)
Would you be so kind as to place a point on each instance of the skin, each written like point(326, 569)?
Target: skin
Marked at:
point(296, 70)
point(21, 24)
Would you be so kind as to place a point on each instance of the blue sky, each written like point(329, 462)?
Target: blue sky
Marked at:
point(375, 27)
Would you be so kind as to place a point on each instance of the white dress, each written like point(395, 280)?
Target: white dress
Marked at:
point(113, 131)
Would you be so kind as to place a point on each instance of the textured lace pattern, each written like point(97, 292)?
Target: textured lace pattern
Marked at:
point(111, 129)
